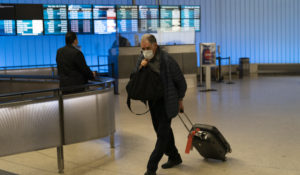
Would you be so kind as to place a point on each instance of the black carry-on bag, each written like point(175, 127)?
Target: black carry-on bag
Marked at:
point(207, 140)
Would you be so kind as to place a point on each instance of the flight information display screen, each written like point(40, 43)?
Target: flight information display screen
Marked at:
point(7, 27)
point(105, 26)
point(191, 23)
point(148, 12)
point(29, 11)
point(55, 27)
point(127, 12)
point(80, 11)
point(188, 12)
point(148, 25)
point(169, 12)
point(55, 11)
point(29, 27)
point(104, 12)
point(7, 11)
point(127, 26)
point(81, 26)
point(170, 24)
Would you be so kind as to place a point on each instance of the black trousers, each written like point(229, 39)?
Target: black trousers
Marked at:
point(165, 143)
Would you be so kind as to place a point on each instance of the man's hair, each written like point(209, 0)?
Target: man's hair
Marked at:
point(150, 38)
point(70, 38)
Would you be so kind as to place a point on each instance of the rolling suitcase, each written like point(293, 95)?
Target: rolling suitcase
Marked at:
point(207, 140)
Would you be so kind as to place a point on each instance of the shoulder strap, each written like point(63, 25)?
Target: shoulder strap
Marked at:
point(129, 106)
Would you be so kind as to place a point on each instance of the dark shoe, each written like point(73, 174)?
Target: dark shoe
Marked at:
point(150, 173)
point(171, 163)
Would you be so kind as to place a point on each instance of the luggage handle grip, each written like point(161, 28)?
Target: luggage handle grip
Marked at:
point(183, 121)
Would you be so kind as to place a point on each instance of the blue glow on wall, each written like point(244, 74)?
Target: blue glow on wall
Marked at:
point(266, 31)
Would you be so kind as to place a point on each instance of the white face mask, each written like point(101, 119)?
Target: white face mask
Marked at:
point(148, 54)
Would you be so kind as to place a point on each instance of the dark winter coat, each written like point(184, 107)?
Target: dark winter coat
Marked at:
point(173, 81)
point(72, 67)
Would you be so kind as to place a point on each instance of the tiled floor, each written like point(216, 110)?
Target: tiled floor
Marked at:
point(260, 117)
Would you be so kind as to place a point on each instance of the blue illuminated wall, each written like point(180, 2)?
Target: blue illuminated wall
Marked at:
point(267, 31)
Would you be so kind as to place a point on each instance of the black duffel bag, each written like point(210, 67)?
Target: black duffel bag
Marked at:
point(144, 85)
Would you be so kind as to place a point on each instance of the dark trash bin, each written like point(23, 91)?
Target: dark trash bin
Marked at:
point(244, 67)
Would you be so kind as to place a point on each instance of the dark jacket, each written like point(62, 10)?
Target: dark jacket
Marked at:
point(72, 67)
point(173, 81)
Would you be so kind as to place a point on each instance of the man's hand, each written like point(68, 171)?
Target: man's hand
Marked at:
point(181, 107)
point(144, 63)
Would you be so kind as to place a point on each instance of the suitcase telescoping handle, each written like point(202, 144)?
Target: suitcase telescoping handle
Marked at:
point(191, 133)
point(183, 121)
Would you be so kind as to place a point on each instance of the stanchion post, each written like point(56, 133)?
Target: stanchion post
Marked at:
point(60, 159)
point(98, 62)
point(208, 77)
point(200, 77)
point(200, 69)
point(229, 72)
point(229, 69)
point(220, 79)
point(112, 140)
point(116, 80)
point(208, 80)
point(60, 152)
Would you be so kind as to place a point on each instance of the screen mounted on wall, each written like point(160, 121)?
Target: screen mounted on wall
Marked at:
point(189, 12)
point(7, 27)
point(195, 23)
point(149, 12)
point(7, 11)
point(29, 11)
point(81, 26)
point(55, 11)
point(169, 12)
point(170, 24)
point(104, 12)
point(127, 12)
point(105, 26)
point(98, 19)
point(55, 27)
point(29, 27)
point(127, 26)
point(80, 11)
point(148, 25)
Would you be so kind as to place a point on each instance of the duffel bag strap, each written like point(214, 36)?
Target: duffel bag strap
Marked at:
point(129, 106)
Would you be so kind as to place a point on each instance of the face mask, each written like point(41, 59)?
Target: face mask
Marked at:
point(148, 54)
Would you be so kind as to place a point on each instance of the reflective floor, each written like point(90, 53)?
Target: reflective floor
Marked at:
point(258, 116)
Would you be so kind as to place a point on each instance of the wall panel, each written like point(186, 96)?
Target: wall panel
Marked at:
point(267, 31)
point(146, 2)
point(264, 30)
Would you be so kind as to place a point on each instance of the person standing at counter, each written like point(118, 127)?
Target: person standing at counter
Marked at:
point(72, 68)
point(167, 107)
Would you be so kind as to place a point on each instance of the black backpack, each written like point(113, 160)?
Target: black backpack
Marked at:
point(144, 85)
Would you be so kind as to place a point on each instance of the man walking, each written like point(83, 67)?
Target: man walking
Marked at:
point(164, 109)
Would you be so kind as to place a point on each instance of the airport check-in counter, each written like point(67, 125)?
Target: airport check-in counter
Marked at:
point(54, 120)
point(185, 55)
